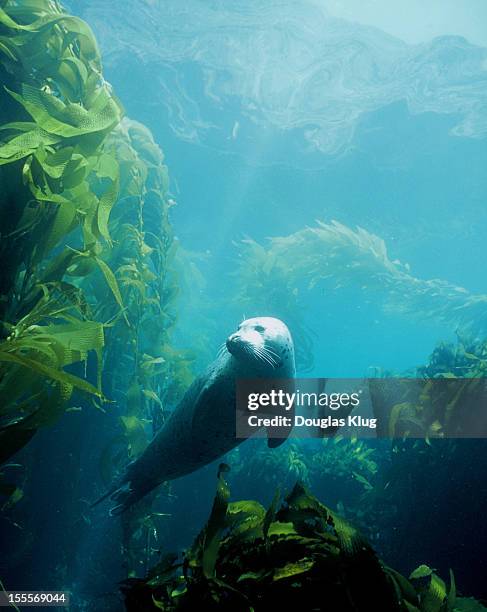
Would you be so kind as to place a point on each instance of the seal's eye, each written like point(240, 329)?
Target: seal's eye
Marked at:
point(259, 328)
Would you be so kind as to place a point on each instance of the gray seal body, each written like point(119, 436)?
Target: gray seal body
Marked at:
point(202, 427)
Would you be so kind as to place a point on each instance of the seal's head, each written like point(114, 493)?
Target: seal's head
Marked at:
point(266, 341)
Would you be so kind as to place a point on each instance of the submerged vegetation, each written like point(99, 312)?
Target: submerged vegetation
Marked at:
point(445, 400)
point(87, 292)
point(296, 554)
point(89, 285)
point(325, 463)
point(333, 256)
point(57, 181)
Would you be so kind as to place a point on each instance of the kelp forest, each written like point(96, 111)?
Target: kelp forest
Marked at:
point(94, 285)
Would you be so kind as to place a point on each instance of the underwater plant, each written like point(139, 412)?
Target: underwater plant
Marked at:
point(426, 408)
point(87, 251)
point(68, 165)
point(58, 189)
point(280, 466)
point(332, 255)
point(325, 465)
point(150, 378)
point(296, 554)
point(465, 359)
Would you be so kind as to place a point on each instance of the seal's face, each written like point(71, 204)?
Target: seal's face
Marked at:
point(264, 340)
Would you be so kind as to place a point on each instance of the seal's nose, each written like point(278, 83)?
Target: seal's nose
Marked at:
point(232, 342)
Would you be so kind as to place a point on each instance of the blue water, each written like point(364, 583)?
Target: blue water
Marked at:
point(357, 127)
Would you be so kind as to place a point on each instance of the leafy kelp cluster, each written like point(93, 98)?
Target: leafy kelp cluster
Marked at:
point(82, 280)
point(56, 180)
point(152, 374)
point(428, 408)
point(332, 255)
point(296, 554)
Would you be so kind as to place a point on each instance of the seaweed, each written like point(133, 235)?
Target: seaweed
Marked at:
point(92, 185)
point(150, 376)
point(147, 380)
point(88, 286)
point(296, 554)
point(429, 409)
point(60, 186)
point(328, 464)
point(331, 256)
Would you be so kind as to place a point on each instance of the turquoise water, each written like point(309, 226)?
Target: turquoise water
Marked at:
point(313, 117)
point(273, 116)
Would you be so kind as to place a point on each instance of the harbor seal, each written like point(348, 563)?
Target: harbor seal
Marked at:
point(202, 427)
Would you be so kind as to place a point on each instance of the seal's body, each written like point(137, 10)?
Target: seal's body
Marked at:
point(202, 427)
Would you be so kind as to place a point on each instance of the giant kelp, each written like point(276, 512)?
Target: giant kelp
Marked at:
point(296, 554)
point(332, 256)
point(150, 377)
point(146, 374)
point(345, 466)
point(57, 182)
point(88, 287)
point(446, 399)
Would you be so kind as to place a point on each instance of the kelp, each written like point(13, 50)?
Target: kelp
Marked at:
point(90, 283)
point(465, 359)
point(88, 289)
point(332, 256)
point(428, 408)
point(59, 188)
point(35, 385)
point(296, 554)
point(328, 463)
point(148, 379)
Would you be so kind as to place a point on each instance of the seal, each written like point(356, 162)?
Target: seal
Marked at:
point(202, 427)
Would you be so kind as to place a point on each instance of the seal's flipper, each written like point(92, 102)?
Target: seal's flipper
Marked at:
point(125, 496)
point(277, 435)
point(274, 442)
point(103, 497)
point(117, 493)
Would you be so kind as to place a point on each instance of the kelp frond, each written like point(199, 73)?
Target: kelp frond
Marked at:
point(331, 256)
point(297, 554)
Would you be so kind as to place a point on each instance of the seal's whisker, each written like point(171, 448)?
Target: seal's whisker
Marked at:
point(222, 349)
point(268, 353)
point(264, 359)
point(263, 356)
point(256, 352)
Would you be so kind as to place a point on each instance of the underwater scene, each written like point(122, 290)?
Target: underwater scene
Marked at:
point(196, 193)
